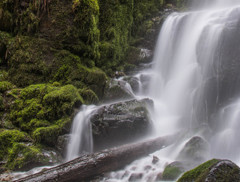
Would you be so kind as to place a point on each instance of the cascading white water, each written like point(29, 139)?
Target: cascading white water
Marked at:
point(81, 134)
point(187, 86)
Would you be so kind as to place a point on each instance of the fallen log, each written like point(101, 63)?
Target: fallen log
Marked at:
point(88, 166)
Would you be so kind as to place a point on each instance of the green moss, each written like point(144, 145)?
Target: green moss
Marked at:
point(3, 75)
point(62, 100)
point(7, 140)
point(25, 156)
point(21, 154)
point(47, 135)
point(40, 105)
point(1, 103)
point(5, 86)
point(89, 96)
point(198, 173)
point(171, 173)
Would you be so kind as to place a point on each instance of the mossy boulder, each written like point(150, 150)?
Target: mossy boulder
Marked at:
point(45, 110)
point(8, 138)
point(195, 150)
point(173, 171)
point(89, 96)
point(5, 85)
point(25, 156)
point(121, 122)
point(212, 171)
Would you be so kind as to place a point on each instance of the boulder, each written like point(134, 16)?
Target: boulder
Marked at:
point(136, 177)
point(62, 142)
point(212, 171)
point(173, 171)
point(118, 90)
point(195, 150)
point(120, 122)
point(25, 156)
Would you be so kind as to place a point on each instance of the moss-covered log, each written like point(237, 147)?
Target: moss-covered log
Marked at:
point(89, 166)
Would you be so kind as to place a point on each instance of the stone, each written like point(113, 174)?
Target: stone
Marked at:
point(195, 150)
point(120, 123)
point(135, 176)
point(62, 142)
point(118, 90)
point(213, 171)
point(173, 171)
point(155, 159)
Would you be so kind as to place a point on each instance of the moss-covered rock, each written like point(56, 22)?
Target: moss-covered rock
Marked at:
point(173, 171)
point(213, 170)
point(26, 156)
point(5, 85)
point(8, 138)
point(45, 110)
point(195, 150)
point(89, 96)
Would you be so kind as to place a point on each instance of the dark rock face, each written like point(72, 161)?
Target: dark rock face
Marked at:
point(196, 150)
point(224, 171)
point(121, 122)
point(135, 176)
point(62, 142)
point(213, 171)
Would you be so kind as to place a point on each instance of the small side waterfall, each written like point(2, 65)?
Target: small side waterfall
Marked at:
point(81, 134)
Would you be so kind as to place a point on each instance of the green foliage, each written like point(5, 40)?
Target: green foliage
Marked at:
point(198, 173)
point(7, 140)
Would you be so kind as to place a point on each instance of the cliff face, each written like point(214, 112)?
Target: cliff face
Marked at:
point(68, 48)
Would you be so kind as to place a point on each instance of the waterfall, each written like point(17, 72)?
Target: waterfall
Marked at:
point(81, 134)
point(194, 84)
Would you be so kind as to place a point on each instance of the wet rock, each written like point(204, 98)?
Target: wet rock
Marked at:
point(62, 142)
point(147, 168)
point(195, 150)
point(134, 83)
point(159, 177)
point(125, 174)
point(173, 171)
point(118, 90)
point(120, 123)
point(213, 171)
point(155, 159)
point(135, 176)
